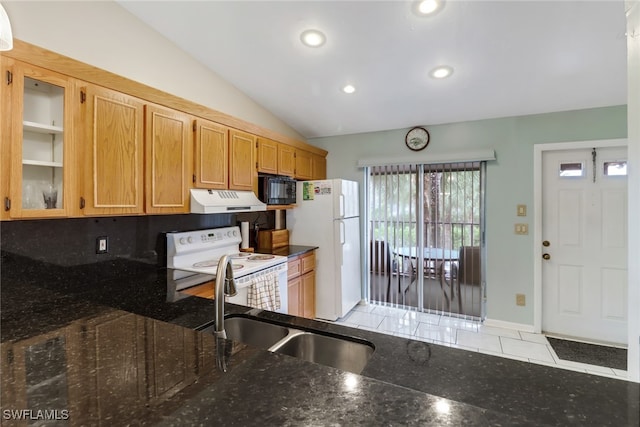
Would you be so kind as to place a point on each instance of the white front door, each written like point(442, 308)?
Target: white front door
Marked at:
point(584, 238)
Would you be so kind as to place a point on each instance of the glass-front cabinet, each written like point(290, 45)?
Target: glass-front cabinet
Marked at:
point(41, 148)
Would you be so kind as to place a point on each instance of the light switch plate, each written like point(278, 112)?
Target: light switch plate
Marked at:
point(522, 210)
point(521, 229)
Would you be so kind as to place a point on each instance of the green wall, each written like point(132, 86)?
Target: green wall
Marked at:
point(509, 182)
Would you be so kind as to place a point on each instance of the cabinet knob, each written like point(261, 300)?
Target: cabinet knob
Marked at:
point(546, 256)
point(546, 243)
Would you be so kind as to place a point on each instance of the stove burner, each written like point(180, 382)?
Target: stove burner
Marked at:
point(240, 255)
point(209, 263)
point(214, 263)
point(260, 257)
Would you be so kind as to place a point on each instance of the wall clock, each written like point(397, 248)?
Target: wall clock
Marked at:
point(417, 138)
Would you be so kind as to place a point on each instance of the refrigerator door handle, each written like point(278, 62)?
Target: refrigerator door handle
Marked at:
point(341, 205)
point(341, 240)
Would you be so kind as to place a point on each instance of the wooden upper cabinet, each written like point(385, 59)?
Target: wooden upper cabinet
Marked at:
point(243, 174)
point(267, 156)
point(5, 138)
point(211, 155)
point(38, 137)
point(168, 154)
point(113, 145)
point(286, 160)
point(318, 167)
point(303, 165)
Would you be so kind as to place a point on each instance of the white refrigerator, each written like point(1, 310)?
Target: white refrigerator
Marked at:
point(327, 215)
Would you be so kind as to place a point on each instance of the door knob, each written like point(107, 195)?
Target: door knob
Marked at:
point(546, 243)
point(546, 256)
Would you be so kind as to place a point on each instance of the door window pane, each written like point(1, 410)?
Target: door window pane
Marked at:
point(571, 169)
point(615, 168)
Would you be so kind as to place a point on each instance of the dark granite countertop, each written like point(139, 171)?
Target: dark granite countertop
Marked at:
point(106, 344)
point(288, 251)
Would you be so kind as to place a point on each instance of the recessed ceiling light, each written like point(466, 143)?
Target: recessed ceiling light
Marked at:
point(428, 7)
point(312, 38)
point(349, 89)
point(441, 72)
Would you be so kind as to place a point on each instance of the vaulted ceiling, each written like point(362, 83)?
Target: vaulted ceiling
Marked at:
point(508, 57)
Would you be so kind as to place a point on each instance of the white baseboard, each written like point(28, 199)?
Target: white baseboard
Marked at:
point(508, 325)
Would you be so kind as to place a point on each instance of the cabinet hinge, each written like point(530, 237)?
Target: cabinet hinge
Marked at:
point(9, 77)
point(83, 97)
point(194, 177)
point(295, 155)
point(7, 204)
point(195, 126)
point(82, 203)
point(256, 143)
point(256, 165)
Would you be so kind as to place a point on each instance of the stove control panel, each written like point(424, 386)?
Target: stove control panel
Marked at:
point(202, 240)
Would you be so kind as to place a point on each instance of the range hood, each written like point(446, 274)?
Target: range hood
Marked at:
point(224, 201)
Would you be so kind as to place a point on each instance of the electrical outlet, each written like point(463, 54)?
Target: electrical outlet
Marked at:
point(520, 299)
point(102, 245)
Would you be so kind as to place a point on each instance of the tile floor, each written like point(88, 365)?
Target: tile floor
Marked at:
point(466, 335)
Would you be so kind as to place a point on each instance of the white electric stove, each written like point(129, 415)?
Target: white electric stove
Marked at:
point(192, 259)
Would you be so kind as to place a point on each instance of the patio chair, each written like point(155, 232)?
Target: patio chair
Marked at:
point(468, 271)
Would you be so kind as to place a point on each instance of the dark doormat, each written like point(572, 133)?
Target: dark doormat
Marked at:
point(601, 355)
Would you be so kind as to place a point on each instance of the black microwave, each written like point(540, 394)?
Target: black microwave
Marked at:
point(276, 190)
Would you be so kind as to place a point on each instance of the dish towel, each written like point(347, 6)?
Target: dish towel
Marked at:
point(263, 292)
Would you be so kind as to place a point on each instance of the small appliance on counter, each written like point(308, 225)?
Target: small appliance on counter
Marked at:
point(273, 239)
point(327, 216)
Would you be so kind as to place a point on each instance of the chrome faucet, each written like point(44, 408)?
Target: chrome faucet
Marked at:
point(225, 285)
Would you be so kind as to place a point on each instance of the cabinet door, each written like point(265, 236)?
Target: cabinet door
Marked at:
point(168, 148)
point(293, 268)
point(318, 167)
point(308, 262)
point(286, 160)
point(243, 174)
point(113, 152)
point(303, 164)
point(267, 156)
point(294, 297)
point(6, 66)
point(42, 154)
point(211, 155)
point(308, 285)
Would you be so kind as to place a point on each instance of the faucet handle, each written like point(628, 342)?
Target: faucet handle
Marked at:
point(229, 282)
point(230, 287)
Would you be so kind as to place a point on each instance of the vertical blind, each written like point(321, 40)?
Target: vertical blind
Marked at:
point(425, 224)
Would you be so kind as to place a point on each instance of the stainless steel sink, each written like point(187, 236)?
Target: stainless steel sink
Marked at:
point(253, 332)
point(346, 353)
point(339, 353)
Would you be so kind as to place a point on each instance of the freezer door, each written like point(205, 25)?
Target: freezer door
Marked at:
point(345, 195)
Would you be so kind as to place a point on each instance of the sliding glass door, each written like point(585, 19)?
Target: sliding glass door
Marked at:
point(425, 228)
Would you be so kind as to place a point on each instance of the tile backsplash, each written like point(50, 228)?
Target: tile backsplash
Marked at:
point(72, 241)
